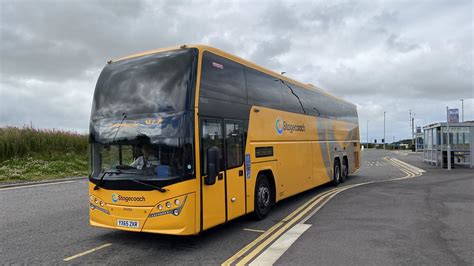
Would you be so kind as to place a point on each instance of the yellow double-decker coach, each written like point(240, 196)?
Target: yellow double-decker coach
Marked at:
point(186, 138)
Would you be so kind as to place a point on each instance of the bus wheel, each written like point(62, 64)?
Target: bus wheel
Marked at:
point(263, 197)
point(344, 170)
point(336, 179)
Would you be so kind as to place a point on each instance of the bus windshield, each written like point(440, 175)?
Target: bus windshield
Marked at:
point(159, 163)
point(141, 120)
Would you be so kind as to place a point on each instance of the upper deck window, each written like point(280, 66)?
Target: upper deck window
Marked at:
point(153, 83)
point(264, 90)
point(222, 79)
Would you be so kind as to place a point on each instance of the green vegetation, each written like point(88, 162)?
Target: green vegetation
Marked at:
point(399, 145)
point(35, 154)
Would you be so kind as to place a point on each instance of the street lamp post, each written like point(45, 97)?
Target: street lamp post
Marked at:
point(412, 125)
point(384, 130)
point(367, 134)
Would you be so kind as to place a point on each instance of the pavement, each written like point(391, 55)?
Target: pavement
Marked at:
point(384, 214)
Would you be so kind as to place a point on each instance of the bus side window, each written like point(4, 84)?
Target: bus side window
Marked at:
point(222, 79)
point(234, 144)
point(263, 89)
point(211, 137)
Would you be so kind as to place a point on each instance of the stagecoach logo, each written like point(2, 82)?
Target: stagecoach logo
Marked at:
point(116, 197)
point(281, 125)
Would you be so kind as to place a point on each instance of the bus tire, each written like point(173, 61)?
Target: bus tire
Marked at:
point(336, 179)
point(344, 170)
point(263, 197)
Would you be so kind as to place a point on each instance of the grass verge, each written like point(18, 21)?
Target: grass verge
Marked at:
point(29, 154)
point(35, 169)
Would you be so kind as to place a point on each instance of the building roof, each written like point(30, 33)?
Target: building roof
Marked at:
point(443, 124)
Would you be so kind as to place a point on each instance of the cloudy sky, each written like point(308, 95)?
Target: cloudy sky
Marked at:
point(388, 56)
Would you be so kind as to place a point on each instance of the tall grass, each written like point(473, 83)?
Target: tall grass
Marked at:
point(18, 142)
point(28, 154)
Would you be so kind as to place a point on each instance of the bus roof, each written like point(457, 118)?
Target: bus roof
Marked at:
point(236, 59)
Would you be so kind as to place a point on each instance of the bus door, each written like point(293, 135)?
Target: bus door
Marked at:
point(234, 157)
point(213, 195)
point(225, 198)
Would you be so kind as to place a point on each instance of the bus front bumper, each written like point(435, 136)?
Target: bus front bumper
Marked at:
point(174, 216)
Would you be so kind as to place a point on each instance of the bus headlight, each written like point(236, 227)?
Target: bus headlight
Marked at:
point(170, 208)
point(98, 204)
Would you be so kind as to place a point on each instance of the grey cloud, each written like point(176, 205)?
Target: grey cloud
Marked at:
point(381, 55)
point(394, 42)
point(269, 51)
point(280, 19)
point(60, 40)
point(330, 15)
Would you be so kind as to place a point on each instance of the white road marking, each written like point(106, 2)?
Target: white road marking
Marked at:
point(409, 166)
point(274, 252)
point(254, 230)
point(37, 185)
point(87, 252)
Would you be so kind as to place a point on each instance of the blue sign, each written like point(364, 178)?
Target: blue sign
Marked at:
point(247, 166)
point(453, 115)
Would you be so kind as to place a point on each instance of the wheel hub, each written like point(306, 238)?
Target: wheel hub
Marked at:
point(263, 197)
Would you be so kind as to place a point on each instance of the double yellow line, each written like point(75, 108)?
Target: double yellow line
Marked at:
point(251, 250)
point(254, 248)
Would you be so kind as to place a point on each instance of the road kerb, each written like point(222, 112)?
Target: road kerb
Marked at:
point(22, 184)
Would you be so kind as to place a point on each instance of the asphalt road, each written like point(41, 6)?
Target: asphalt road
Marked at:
point(426, 219)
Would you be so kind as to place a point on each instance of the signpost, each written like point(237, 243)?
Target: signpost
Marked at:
point(418, 131)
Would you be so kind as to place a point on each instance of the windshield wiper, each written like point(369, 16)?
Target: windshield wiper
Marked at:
point(99, 183)
point(118, 172)
point(124, 115)
point(160, 189)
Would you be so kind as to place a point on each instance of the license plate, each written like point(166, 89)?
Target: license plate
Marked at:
point(128, 223)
